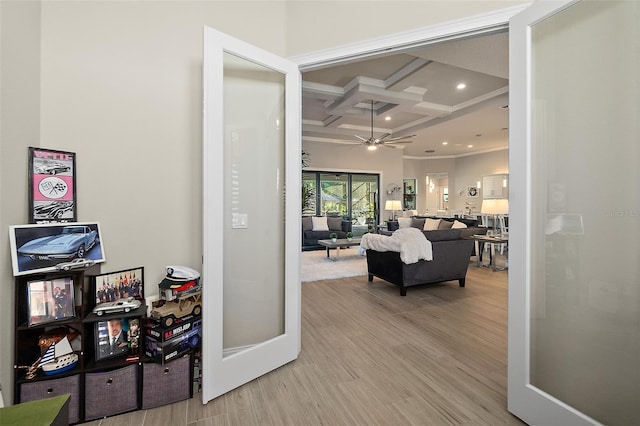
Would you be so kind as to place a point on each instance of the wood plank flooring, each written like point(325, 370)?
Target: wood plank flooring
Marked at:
point(371, 357)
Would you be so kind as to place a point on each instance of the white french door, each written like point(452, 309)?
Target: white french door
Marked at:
point(251, 206)
point(574, 299)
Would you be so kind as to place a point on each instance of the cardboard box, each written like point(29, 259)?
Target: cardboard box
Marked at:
point(165, 344)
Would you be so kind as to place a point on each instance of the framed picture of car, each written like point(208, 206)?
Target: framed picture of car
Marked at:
point(113, 286)
point(52, 186)
point(111, 338)
point(50, 300)
point(43, 247)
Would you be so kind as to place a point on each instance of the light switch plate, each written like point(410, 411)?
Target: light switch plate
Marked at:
point(239, 221)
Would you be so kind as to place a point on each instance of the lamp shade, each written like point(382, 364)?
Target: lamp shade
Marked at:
point(392, 205)
point(495, 206)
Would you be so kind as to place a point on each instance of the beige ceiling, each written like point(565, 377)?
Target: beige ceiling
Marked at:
point(417, 89)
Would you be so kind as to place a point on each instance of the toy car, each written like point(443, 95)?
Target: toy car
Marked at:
point(122, 305)
point(169, 312)
point(75, 264)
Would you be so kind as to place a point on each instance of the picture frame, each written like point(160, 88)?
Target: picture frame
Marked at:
point(117, 328)
point(111, 286)
point(52, 186)
point(50, 300)
point(36, 247)
point(473, 192)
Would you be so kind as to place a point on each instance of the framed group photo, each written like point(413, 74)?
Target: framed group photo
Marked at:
point(112, 286)
point(52, 186)
point(50, 300)
point(49, 247)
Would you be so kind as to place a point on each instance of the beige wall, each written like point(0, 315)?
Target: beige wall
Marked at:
point(120, 84)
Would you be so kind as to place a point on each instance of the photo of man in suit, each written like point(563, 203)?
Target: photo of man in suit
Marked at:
point(116, 342)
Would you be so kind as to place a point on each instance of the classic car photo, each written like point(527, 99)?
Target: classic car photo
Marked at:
point(52, 169)
point(122, 305)
point(53, 210)
point(72, 242)
point(41, 247)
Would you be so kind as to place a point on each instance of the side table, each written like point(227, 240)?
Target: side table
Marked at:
point(481, 240)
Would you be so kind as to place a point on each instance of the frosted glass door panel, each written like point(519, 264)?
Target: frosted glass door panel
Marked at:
point(585, 215)
point(253, 222)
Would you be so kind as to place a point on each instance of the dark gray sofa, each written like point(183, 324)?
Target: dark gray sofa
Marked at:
point(451, 255)
point(310, 237)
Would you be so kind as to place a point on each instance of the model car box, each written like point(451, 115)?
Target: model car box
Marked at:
point(163, 344)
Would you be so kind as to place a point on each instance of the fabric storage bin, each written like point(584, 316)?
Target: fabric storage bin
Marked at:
point(55, 387)
point(164, 384)
point(112, 392)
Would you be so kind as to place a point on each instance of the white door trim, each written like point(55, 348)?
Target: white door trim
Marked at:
point(474, 25)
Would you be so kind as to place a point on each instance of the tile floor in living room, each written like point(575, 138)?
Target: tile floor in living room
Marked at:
point(369, 356)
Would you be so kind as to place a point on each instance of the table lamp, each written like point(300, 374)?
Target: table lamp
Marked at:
point(392, 205)
point(494, 207)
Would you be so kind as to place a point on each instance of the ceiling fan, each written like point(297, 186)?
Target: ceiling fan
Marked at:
point(373, 142)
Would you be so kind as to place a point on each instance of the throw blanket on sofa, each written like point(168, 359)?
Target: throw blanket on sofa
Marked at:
point(409, 242)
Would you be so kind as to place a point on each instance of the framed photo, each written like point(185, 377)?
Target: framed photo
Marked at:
point(112, 338)
point(52, 186)
point(112, 286)
point(50, 300)
point(472, 192)
point(51, 247)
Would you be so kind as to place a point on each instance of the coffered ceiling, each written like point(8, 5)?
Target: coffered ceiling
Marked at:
point(418, 91)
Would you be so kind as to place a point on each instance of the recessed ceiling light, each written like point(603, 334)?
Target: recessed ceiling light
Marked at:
point(387, 118)
point(445, 143)
point(461, 86)
point(469, 146)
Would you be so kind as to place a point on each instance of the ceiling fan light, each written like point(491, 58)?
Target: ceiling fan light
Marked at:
point(372, 147)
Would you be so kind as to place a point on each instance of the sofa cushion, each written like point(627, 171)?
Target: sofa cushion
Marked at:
point(404, 222)
point(307, 223)
point(431, 224)
point(458, 225)
point(442, 234)
point(320, 223)
point(445, 224)
point(417, 223)
point(334, 223)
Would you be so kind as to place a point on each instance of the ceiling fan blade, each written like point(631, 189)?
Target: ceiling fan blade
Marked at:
point(399, 138)
point(361, 138)
point(396, 142)
point(383, 136)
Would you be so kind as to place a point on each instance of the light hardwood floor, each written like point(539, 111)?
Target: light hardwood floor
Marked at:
point(371, 357)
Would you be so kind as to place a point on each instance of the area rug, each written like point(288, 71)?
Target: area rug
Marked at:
point(316, 266)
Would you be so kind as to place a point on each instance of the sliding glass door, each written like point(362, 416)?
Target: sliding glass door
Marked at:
point(364, 203)
point(354, 196)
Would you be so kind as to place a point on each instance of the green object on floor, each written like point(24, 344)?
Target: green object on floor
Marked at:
point(51, 411)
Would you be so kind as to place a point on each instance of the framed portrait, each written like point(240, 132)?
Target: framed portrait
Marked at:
point(112, 338)
point(112, 286)
point(52, 186)
point(472, 192)
point(50, 300)
point(51, 247)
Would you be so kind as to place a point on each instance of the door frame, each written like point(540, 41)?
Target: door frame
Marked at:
point(397, 43)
